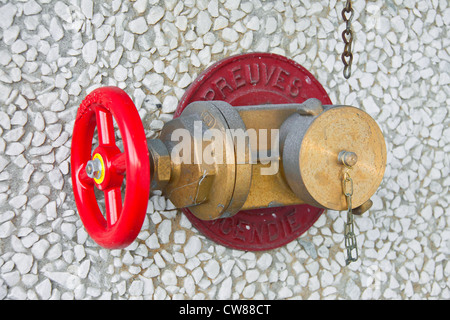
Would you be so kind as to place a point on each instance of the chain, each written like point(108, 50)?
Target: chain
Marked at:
point(349, 235)
point(347, 36)
point(347, 182)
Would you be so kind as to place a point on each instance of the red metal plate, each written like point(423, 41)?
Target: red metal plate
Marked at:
point(252, 79)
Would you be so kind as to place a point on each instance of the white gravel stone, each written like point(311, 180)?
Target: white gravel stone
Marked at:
point(6, 229)
point(31, 7)
point(225, 289)
point(14, 149)
point(152, 242)
point(230, 35)
point(213, 8)
point(90, 51)
point(23, 262)
point(204, 23)
point(179, 237)
point(138, 26)
point(155, 14)
point(271, 25)
point(18, 201)
point(37, 202)
point(264, 262)
point(5, 56)
point(39, 248)
point(253, 23)
point(120, 73)
point(192, 247)
point(54, 252)
point(56, 178)
point(181, 23)
point(232, 4)
point(29, 240)
point(212, 269)
point(68, 230)
point(19, 46)
point(65, 279)
point(164, 230)
point(220, 23)
point(154, 82)
point(44, 289)
point(169, 104)
point(156, 125)
point(352, 290)
point(251, 275)
point(62, 10)
point(87, 7)
point(7, 14)
point(140, 6)
point(184, 81)
point(136, 288)
point(169, 278)
point(20, 118)
point(371, 107)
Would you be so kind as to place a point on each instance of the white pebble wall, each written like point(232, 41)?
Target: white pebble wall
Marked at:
point(53, 53)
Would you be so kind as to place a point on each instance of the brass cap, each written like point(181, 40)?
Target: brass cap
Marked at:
point(311, 156)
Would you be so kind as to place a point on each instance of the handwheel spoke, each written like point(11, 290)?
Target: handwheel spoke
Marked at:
point(119, 163)
point(113, 202)
point(85, 181)
point(105, 127)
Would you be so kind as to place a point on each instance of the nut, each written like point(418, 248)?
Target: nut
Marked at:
point(347, 158)
point(160, 164)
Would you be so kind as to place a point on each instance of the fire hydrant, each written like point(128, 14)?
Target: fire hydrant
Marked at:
point(255, 153)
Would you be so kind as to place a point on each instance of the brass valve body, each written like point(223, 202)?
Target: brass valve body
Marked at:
point(307, 167)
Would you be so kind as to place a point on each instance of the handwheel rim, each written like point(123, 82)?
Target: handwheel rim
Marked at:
point(109, 232)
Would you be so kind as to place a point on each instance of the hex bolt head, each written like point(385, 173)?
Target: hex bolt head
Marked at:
point(93, 168)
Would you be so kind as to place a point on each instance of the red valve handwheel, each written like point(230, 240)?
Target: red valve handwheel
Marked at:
point(123, 220)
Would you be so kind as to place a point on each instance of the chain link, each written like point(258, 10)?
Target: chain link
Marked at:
point(349, 234)
point(347, 36)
